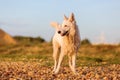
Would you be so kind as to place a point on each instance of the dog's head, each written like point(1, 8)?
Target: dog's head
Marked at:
point(66, 26)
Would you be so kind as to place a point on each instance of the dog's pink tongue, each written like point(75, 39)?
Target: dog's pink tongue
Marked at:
point(63, 34)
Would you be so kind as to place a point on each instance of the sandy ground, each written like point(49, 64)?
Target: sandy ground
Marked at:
point(34, 71)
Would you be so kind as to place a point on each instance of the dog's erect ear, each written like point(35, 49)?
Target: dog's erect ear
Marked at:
point(65, 18)
point(71, 18)
point(54, 24)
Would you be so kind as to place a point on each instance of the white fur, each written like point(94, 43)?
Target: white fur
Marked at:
point(66, 41)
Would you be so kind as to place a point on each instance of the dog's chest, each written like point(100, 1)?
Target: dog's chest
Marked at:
point(67, 44)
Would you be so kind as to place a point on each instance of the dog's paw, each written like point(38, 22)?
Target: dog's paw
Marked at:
point(56, 72)
point(76, 73)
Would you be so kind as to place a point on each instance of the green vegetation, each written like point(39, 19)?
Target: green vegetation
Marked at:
point(28, 40)
point(85, 42)
point(36, 49)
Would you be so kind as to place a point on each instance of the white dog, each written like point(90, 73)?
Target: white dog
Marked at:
point(66, 41)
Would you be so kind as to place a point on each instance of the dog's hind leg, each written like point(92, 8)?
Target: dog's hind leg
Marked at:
point(55, 54)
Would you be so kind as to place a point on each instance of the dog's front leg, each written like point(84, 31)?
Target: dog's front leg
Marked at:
point(70, 61)
point(59, 62)
point(55, 55)
point(73, 63)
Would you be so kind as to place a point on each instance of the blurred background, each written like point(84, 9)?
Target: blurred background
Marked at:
point(98, 20)
point(25, 39)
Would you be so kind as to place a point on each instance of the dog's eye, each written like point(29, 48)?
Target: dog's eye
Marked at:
point(65, 25)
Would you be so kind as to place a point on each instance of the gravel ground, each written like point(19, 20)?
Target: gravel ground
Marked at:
point(34, 71)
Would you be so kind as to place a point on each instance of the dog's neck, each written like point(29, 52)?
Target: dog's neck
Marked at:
point(69, 38)
point(73, 40)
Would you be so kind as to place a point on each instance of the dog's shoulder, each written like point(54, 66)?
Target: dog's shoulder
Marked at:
point(57, 38)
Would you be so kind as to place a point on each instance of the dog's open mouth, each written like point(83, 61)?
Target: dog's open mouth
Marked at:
point(66, 33)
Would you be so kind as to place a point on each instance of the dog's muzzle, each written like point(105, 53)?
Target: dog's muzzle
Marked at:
point(59, 32)
point(65, 33)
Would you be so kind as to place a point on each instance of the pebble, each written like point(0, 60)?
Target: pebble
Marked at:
point(33, 71)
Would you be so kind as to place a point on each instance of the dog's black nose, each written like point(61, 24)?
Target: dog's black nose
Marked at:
point(59, 32)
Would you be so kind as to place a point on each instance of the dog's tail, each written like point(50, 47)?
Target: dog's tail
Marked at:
point(55, 25)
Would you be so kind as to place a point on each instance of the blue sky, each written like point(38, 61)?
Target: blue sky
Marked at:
point(98, 20)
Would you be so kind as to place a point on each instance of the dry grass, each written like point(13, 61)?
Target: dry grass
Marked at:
point(6, 39)
point(88, 54)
